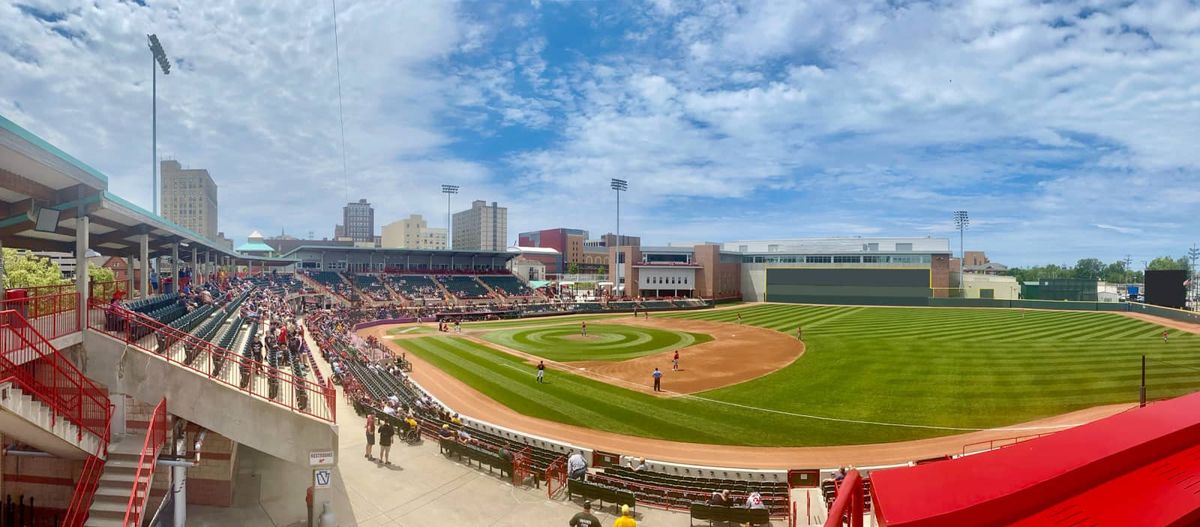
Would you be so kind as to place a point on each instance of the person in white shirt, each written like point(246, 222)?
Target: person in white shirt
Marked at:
point(576, 466)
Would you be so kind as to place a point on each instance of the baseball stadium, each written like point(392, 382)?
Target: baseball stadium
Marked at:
point(156, 373)
point(795, 382)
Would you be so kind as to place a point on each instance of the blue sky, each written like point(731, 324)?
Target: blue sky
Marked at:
point(1068, 129)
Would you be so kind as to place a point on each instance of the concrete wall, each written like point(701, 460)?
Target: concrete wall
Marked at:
point(254, 422)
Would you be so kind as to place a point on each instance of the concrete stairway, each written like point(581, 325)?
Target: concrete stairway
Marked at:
point(116, 484)
point(31, 422)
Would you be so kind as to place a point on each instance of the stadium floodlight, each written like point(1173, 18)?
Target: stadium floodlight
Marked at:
point(158, 58)
point(961, 221)
point(619, 185)
point(448, 190)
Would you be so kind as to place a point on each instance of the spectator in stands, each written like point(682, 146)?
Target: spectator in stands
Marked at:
point(641, 466)
point(385, 441)
point(456, 419)
point(370, 434)
point(585, 518)
point(576, 466)
point(445, 432)
point(414, 429)
point(841, 474)
point(720, 498)
point(464, 437)
point(626, 519)
point(755, 501)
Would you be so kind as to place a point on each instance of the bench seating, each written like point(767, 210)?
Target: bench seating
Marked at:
point(493, 460)
point(723, 514)
point(601, 493)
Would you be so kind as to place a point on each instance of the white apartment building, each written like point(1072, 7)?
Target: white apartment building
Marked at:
point(413, 232)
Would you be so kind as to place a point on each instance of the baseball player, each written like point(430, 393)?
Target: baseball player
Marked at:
point(675, 362)
point(541, 371)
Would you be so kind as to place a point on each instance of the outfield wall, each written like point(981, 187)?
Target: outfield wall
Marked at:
point(861, 286)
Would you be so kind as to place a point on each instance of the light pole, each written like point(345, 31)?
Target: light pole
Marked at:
point(961, 220)
point(159, 58)
point(619, 185)
point(448, 190)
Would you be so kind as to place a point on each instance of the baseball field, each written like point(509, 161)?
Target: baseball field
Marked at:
point(863, 375)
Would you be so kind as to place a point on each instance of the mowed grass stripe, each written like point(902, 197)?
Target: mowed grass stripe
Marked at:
point(972, 368)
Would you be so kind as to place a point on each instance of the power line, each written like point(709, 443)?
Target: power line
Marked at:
point(337, 57)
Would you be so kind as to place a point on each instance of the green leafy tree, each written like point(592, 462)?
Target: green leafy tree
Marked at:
point(23, 269)
point(602, 270)
point(101, 274)
point(572, 268)
point(1088, 268)
point(1166, 263)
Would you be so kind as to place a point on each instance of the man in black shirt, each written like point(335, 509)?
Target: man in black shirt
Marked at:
point(585, 518)
point(385, 440)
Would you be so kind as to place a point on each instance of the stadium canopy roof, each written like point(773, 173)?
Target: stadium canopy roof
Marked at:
point(395, 252)
point(35, 175)
point(1139, 467)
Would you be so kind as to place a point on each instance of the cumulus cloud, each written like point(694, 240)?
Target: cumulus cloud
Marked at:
point(730, 119)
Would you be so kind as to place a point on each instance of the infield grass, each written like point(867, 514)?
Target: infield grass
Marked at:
point(963, 368)
point(611, 342)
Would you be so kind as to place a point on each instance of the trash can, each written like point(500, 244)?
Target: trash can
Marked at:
point(17, 300)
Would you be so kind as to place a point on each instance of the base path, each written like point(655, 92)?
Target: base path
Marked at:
point(736, 354)
point(466, 400)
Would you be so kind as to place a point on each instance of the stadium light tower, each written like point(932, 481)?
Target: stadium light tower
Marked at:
point(448, 190)
point(619, 185)
point(158, 58)
point(961, 220)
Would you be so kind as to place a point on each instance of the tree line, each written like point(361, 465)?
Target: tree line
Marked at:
point(1096, 269)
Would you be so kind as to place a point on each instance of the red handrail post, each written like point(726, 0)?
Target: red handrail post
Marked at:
point(155, 436)
point(849, 501)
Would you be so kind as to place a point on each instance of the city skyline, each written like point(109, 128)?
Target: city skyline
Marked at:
point(1063, 128)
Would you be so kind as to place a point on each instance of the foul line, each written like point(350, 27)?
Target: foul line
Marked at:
point(588, 374)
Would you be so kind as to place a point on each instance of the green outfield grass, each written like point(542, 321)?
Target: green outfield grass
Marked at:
point(968, 368)
point(564, 342)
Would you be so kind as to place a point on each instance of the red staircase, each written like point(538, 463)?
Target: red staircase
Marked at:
point(33, 365)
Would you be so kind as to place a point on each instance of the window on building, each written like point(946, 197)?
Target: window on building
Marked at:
point(870, 247)
point(819, 259)
point(846, 259)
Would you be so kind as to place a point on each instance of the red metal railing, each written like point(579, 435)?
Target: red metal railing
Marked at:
point(156, 435)
point(993, 444)
point(849, 502)
point(217, 363)
point(28, 359)
point(522, 461)
point(103, 291)
point(53, 312)
point(556, 477)
point(85, 488)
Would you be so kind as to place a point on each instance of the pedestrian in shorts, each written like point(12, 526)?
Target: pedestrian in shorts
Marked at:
point(370, 435)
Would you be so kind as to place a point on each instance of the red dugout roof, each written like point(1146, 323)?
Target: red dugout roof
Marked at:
point(1140, 467)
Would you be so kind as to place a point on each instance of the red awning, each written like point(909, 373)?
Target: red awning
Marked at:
point(1008, 485)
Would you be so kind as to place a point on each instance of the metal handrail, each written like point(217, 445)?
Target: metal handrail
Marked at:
point(229, 361)
point(40, 368)
point(156, 435)
point(85, 489)
point(849, 502)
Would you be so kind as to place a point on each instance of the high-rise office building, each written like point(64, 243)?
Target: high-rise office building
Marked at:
point(482, 227)
point(412, 232)
point(358, 220)
point(189, 198)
